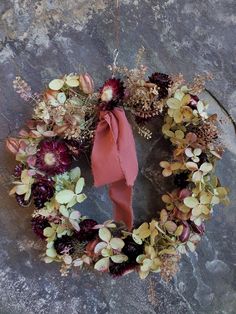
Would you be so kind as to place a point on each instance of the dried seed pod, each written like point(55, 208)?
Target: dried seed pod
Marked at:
point(185, 233)
point(86, 83)
point(12, 145)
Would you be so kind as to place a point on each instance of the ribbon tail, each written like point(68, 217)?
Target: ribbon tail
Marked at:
point(121, 196)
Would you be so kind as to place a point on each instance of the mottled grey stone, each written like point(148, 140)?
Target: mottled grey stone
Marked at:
point(40, 40)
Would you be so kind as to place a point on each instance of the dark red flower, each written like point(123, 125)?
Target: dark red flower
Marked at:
point(111, 94)
point(163, 81)
point(203, 158)
point(87, 233)
point(53, 157)
point(121, 269)
point(20, 200)
point(64, 245)
point(193, 102)
point(132, 249)
point(42, 191)
point(18, 170)
point(181, 180)
point(38, 225)
point(74, 147)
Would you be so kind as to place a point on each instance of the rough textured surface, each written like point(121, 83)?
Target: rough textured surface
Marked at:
point(42, 39)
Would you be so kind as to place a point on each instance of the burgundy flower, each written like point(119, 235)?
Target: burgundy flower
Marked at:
point(21, 201)
point(193, 102)
point(203, 158)
point(53, 157)
point(18, 170)
point(64, 245)
point(181, 180)
point(42, 191)
point(38, 225)
point(163, 81)
point(121, 269)
point(111, 94)
point(87, 233)
point(132, 249)
point(75, 147)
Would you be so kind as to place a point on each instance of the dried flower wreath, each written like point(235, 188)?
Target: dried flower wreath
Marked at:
point(69, 118)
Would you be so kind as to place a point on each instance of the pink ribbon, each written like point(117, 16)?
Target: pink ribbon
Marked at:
point(114, 161)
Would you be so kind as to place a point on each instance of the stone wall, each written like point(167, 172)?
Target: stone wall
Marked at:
point(40, 40)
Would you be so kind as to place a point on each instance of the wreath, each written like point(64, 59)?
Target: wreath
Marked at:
point(70, 119)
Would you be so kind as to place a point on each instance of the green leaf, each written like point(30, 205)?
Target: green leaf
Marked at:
point(72, 202)
point(61, 97)
point(48, 232)
point(117, 243)
point(197, 211)
point(64, 211)
point(137, 239)
point(106, 252)
point(48, 260)
point(119, 258)
point(173, 103)
point(75, 215)
point(206, 167)
point(50, 245)
point(64, 196)
point(81, 197)
point(102, 264)
point(191, 246)
point(147, 263)
point(75, 173)
point(104, 234)
point(22, 189)
point(99, 247)
point(205, 198)
point(51, 252)
point(56, 84)
point(79, 186)
point(215, 200)
point(179, 94)
point(72, 81)
point(191, 201)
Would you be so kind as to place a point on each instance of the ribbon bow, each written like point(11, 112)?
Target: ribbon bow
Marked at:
point(114, 161)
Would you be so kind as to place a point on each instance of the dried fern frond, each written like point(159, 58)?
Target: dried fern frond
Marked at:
point(145, 132)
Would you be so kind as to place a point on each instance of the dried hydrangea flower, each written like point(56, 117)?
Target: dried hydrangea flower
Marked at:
point(193, 153)
point(109, 248)
point(149, 262)
point(169, 168)
point(24, 186)
point(178, 107)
